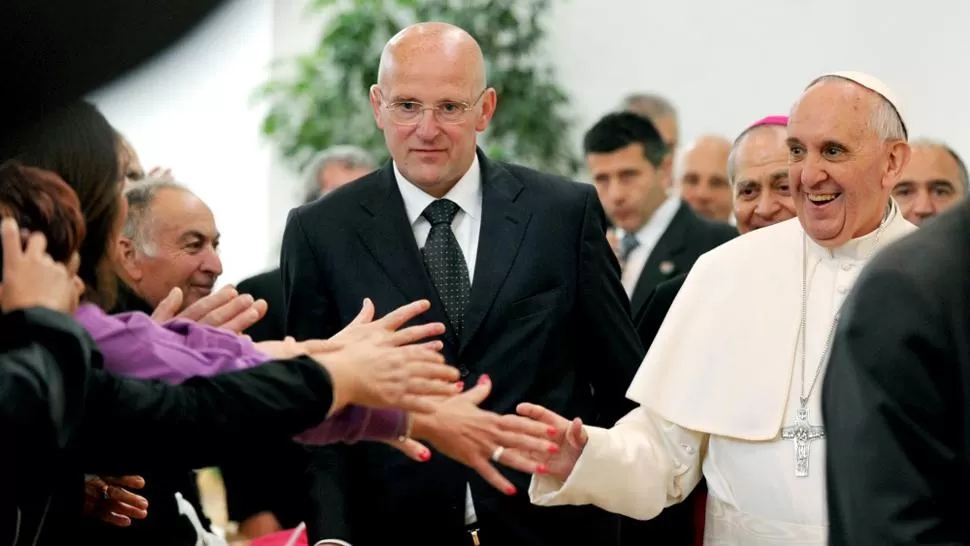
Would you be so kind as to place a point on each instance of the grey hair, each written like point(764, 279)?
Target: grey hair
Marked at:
point(138, 223)
point(648, 105)
point(352, 157)
point(884, 117)
point(961, 166)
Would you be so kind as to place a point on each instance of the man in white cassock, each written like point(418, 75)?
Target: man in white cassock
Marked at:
point(730, 387)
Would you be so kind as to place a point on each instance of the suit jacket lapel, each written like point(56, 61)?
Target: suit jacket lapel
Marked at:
point(387, 235)
point(661, 264)
point(504, 222)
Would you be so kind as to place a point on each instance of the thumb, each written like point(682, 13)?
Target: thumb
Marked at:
point(479, 392)
point(366, 313)
point(169, 306)
point(576, 434)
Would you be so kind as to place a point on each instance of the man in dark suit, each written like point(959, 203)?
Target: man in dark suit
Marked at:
point(515, 262)
point(659, 236)
point(894, 397)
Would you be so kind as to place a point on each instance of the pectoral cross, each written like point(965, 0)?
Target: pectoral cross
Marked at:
point(803, 434)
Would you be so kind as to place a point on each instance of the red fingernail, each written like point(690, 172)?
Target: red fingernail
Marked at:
point(460, 385)
point(425, 455)
point(483, 380)
point(541, 469)
point(510, 490)
point(552, 432)
point(553, 448)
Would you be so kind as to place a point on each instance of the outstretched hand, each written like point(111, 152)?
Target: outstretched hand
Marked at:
point(570, 437)
point(461, 430)
point(387, 331)
point(226, 308)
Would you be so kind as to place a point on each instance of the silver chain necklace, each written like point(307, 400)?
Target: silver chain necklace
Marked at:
point(801, 431)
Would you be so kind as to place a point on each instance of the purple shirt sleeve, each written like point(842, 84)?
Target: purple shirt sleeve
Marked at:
point(357, 423)
point(134, 345)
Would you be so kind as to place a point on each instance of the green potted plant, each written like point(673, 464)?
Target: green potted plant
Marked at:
point(320, 99)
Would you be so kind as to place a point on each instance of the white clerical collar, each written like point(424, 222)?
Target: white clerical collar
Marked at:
point(859, 248)
point(466, 193)
point(659, 221)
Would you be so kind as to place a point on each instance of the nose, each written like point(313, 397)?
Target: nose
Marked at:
point(427, 128)
point(923, 204)
point(211, 263)
point(811, 173)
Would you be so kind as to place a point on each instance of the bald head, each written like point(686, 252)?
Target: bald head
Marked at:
point(432, 42)
point(700, 174)
point(431, 101)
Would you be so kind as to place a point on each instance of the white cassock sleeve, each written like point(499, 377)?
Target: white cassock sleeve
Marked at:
point(637, 468)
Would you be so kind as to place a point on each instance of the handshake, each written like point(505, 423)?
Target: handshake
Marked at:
point(382, 364)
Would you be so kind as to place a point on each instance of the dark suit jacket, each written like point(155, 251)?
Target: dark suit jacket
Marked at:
point(686, 238)
point(548, 321)
point(677, 524)
point(64, 417)
point(272, 480)
point(267, 286)
point(895, 395)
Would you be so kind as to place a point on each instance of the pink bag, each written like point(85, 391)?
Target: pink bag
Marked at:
point(286, 537)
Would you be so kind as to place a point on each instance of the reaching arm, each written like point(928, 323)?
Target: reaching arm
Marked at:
point(614, 352)
point(133, 345)
point(635, 469)
point(897, 469)
point(133, 425)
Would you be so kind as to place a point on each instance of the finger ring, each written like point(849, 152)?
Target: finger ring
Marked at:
point(104, 492)
point(497, 454)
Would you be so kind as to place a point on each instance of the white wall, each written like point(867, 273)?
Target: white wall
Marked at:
point(724, 63)
point(727, 63)
point(191, 110)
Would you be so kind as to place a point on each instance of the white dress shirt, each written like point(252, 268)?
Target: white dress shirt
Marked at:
point(648, 236)
point(467, 224)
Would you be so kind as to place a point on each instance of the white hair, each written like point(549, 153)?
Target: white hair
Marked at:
point(138, 223)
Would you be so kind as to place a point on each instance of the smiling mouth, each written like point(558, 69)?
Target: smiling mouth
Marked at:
point(822, 199)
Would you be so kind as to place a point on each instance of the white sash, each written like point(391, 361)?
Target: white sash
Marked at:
point(726, 526)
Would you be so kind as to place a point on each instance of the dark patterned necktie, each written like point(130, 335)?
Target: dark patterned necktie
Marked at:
point(628, 244)
point(446, 262)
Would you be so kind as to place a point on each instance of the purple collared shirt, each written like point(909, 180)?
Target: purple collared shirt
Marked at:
point(134, 345)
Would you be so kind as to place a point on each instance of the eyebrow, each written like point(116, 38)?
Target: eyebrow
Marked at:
point(196, 234)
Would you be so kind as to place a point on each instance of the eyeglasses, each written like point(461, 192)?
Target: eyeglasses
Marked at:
point(409, 112)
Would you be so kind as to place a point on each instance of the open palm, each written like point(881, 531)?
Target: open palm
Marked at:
point(570, 438)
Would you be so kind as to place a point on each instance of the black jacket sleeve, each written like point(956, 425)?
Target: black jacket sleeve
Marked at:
point(133, 426)
point(615, 352)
